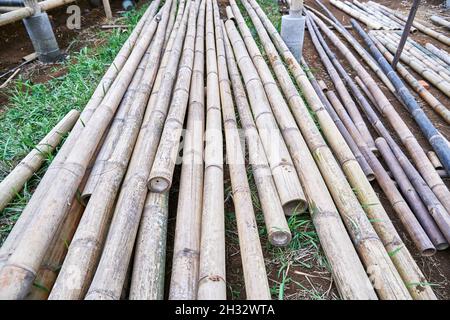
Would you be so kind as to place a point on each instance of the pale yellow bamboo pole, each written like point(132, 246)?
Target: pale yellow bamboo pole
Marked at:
point(105, 83)
point(409, 141)
point(351, 279)
point(357, 15)
point(95, 221)
point(186, 250)
point(255, 274)
point(107, 8)
point(441, 54)
point(265, 180)
point(147, 282)
point(22, 264)
point(110, 275)
point(366, 241)
point(434, 160)
point(212, 278)
point(15, 180)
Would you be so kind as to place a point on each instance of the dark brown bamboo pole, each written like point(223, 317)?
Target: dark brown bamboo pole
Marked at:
point(186, 251)
point(318, 196)
point(264, 179)
point(320, 87)
point(95, 222)
point(410, 142)
point(412, 197)
point(212, 278)
point(20, 269)
point(358, 48)
point(255, 274)
point(15, 180)
point(122, 233)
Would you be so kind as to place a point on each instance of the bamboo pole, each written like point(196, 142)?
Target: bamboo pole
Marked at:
point(410, 142)
point(149, 258)
point(186, 251)
point(374, 15)
point(441, 54)
point(15, 180)
point(358, 48)
point(147, 282)
point(419, 68)
point(107, 8)
point(434, 160)
point(412, 29)
point(413, 198)
point(426, 95)
point(343, 93)
point(212, 279)
point(440, 21)
point(355, 14)
point(265, 180)
point(410, 222)
point(56, 204)
point(422, 28)
point(356, 285)
point(320, 87)
point(117, 252)
point(105, 83)
point(426, 126)
point(161, 174)
point(97, 217)
point(255, 274)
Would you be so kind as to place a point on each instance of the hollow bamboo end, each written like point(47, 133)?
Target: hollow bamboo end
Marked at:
point(280, 238)
point(85, 198)
point(295, 207)
point(158, 184)
point(370, 177)
point(441, 246)
point(428, 252)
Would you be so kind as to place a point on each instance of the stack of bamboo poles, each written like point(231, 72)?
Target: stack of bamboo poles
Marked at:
point(106, 194)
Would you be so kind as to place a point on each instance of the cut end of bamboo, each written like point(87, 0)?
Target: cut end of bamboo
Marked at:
point(159, 184)
point(295, 207)
point(280, 238)
point(428, 252)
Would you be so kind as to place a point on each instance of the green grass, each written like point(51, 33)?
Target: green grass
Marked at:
point(35, 108)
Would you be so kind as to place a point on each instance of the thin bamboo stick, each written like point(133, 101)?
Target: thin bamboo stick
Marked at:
point(410, 142)
point(15, 180)
point(265, 181)
point(109, 277)
point(426, 126)
point(320, 200)
point(212, 279)
point(440, 21)
point(255, 274)
point(147, 282)
point(358, 48)
point(105, 83)
point(186, 251)
point(95, 222)
point(441, 54)
point(413, 198)
point(355, 14)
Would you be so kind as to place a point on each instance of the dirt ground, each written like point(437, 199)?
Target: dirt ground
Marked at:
point(14, 44)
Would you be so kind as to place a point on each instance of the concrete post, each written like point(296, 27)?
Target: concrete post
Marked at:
point(293, 28)
point(41, 34)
